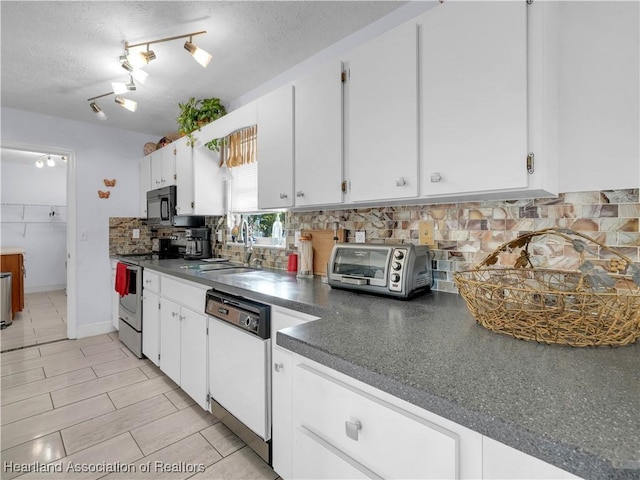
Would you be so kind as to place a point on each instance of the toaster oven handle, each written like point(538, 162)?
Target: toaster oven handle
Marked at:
point(355, 280)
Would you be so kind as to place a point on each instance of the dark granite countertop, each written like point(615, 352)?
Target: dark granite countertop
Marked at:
point(576, 408)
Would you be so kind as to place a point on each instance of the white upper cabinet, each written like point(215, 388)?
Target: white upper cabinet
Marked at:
point(275, 149)
point(163, 167)
point(381, 113)
point(474, 116)
point(318, 137)
point(198, 187)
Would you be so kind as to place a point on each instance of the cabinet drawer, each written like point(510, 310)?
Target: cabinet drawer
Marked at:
point(150, 280)
point(189, 294)
point(387, 440)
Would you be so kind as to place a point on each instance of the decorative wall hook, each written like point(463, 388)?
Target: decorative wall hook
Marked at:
point(102, 194)
point(109, 183)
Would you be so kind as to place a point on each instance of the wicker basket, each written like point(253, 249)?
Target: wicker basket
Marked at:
point(599, 304)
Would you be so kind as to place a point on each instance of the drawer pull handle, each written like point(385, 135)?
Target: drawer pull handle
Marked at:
point(277, 367)
point(352, 429)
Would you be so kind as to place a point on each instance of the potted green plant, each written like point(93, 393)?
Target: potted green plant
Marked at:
point(196, 113)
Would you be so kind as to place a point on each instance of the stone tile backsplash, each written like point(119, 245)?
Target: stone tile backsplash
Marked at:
point(464, 233)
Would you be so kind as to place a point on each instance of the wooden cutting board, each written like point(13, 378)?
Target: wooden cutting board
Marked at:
point(322, 243)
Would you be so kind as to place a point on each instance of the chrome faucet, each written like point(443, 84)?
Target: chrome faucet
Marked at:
point(248, 243)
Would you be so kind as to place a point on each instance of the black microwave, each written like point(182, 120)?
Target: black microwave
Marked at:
point(161, 205)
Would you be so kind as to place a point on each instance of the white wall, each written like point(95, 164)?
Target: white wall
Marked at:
point(27, 223)
point(100, 152)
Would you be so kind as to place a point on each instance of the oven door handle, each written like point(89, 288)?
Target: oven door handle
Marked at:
point(355, 280)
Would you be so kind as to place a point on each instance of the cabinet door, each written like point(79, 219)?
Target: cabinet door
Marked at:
point(381, 98)
point(170, 339)
point(155, 167)
point(151, 326)
point(145, 183)
point(193, 355)
point(275, 149)
point(184, 176)
point(282, 412)
point(318, 137)
point(473, 97)
point(208, 188)
point(168, 160)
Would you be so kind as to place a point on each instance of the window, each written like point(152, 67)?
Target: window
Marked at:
point(264, 228)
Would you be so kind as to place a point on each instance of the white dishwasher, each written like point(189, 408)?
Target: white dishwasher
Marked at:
point(239, 367)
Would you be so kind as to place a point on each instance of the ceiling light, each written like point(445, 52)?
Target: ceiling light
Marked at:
point(126, 103)
point(122, 87)
point(139, 75)
point(50, 161)
point(199, 55)
point(119, 87)
point(39, 163)
point(148, 55)
point(96, 109)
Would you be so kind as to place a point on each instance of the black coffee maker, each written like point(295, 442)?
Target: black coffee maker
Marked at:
point(198, 243)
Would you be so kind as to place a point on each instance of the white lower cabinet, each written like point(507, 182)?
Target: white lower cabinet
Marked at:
point(175, 335)
point(343, 428)
point(170, 339)
point(375, 437)
point(281, 388)
point(151, 326)
point(193, 356)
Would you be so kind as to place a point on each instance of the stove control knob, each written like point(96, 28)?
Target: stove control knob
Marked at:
point(396, 266)
point(398, 254)
point(395, 277)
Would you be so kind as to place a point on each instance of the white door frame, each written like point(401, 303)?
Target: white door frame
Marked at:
point(71, 224)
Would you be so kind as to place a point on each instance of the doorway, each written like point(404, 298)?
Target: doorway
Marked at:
point(37, 218)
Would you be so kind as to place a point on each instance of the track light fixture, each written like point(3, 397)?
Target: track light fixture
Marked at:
point(130, 105)
point(123, 87)
point(95, 108)
point(50, 161)
point(39, 163)
point(198, 54)
point(137, 73)
point(201, 56)
point(132, 63)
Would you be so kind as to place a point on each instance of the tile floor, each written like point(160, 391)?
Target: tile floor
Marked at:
point(43, 320)
point(89, 408)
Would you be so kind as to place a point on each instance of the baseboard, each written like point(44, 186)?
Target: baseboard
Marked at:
point(45, 288)
point(93, 329)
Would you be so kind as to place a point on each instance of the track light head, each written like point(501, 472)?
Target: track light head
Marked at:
point(50, 161)
point(98, 111)
point(126, 103)
point(148, 55)
point(199, 55)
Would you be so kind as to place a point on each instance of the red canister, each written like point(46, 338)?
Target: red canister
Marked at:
point(292, 263)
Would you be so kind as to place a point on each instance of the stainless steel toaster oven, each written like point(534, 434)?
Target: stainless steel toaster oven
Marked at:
point(400, 270)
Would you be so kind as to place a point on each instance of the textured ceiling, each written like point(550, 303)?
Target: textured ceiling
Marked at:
point(56, 55)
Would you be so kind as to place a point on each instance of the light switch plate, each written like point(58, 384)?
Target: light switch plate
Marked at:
point(360, 237)
point(426, 233)
point(136, 233)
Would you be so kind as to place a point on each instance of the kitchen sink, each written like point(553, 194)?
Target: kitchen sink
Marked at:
point(210, 266)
